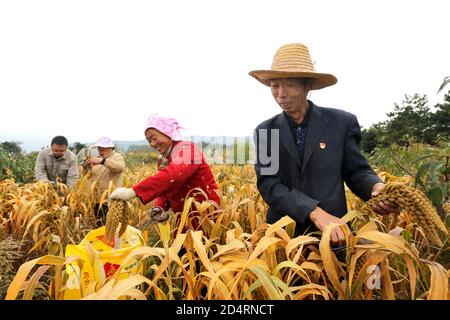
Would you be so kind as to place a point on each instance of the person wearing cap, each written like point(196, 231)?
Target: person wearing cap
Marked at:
point(57, 163)
point(182, 171)
point(306, 153)
point(107, 168)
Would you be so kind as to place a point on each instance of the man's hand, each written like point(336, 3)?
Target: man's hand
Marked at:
point(321, 219)
point(125, 194)
point(383, 207)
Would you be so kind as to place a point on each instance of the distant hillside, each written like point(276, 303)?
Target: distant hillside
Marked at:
point(199, 140)
point(218, 150)
point(30, 145)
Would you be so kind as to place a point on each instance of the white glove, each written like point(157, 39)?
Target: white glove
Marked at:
point(125, 194)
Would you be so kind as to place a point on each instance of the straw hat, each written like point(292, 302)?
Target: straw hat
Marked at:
point(293, 61)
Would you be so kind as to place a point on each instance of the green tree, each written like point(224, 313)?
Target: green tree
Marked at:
point(410, 121)
point(12, 147)
point(440, 121)
point(17, 166)
point(374, 136)
point(77, 146)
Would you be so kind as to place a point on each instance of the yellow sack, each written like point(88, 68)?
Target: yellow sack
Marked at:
point(99, 261)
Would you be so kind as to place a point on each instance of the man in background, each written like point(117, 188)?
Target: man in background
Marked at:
point(57, 163)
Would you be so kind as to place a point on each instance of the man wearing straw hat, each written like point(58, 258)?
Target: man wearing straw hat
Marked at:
point(307, 152)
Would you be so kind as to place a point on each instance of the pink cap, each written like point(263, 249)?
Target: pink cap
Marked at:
point(168, 126)
point(104, 142)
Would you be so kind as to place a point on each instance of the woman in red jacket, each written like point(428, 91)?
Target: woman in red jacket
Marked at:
point(182, 167)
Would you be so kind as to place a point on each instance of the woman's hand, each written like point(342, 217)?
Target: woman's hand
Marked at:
point(125, 194)
point(93, 161)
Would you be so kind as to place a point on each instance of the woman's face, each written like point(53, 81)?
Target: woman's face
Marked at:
point(158, 140)
point(104, 152)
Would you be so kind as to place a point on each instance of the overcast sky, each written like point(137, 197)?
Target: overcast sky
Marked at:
point(86, 69)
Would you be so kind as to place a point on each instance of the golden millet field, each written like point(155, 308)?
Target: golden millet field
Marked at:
point(236, 255)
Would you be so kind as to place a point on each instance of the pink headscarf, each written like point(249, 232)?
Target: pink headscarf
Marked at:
point(168, 126)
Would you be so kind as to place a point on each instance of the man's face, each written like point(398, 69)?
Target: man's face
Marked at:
point(58, 150)
point(290, 94)
point(158, 140)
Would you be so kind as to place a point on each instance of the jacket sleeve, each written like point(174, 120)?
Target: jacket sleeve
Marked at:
point(274, 191)
point(115, 165)
point(172, 177)
point(39, 168)
point(72, 174)
point(357, 173)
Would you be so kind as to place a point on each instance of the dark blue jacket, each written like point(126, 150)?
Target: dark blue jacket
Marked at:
point(331, 157)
